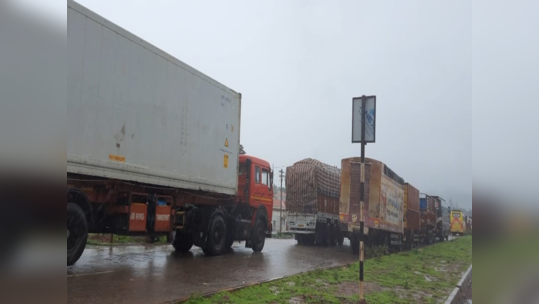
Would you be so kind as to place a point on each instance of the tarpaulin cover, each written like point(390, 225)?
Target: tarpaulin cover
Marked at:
point(306, 181)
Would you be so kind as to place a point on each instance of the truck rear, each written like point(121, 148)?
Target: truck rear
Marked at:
point(428, 216)
point(153, 146)
point(442, 219)
point(312, 202)
point(383, 208)
point(412, 227)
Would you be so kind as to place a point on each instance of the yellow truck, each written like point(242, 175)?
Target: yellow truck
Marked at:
point(457, 222)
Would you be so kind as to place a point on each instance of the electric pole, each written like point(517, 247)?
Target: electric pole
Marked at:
point(281, 208)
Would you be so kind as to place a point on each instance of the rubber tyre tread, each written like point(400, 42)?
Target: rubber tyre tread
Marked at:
point(354, 243)
point(213, 249)
point(340, 239)
point(75, 214)
point(229, 242)
point(258, 243)
point(182, 242)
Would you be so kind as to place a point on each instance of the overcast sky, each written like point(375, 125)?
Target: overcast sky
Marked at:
point(299, 63)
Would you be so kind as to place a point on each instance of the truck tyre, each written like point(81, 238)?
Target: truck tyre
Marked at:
point(299, 238)
point(354, 243)
point(259, 236)
point(77, 233)
point(340, 239)
point(182, 242)
point(229, 242)
point(217, 237)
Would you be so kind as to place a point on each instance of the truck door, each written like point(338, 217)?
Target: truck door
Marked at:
point(261, 184)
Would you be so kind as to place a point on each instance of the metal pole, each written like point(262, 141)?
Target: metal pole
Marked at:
point(362, 198)
point(281, 208)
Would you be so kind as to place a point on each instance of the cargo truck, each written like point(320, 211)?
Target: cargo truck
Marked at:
point(312, 202)
point(412, 225)
point(153, 147)
point(383, 208)
point(442, 221)
point(428, 215)
point(457, 222)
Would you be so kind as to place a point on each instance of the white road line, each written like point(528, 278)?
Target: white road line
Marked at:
point(87, 274)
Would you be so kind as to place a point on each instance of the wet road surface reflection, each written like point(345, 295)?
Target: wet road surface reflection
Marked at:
point(157, 274)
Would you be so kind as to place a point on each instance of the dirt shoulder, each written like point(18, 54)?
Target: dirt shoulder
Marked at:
point(424, 275)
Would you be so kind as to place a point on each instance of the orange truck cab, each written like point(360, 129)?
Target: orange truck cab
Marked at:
point(214, 224)
point(255, 186)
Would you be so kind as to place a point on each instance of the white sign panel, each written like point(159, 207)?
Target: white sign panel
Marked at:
point(370, 119)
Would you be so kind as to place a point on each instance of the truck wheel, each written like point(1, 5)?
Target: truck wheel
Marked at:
point(340, 239)
point(354, 243)
point(229, 242)
point(182, 242)
point(309, 239)
point(259, 236)
point(332, 235)
point(217, 237)
point(77, 233)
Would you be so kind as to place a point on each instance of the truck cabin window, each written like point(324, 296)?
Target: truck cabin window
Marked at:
point(257, 175)
point(265, 177)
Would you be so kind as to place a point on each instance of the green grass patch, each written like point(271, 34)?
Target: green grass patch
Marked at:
point(503, 263)
point(98, 239)
point(424, 275)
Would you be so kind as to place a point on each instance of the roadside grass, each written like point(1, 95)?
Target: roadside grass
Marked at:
point(98, 239)
point(424, 275)
point(503, 264)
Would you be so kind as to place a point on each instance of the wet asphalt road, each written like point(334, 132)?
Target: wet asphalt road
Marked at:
point(157, 274)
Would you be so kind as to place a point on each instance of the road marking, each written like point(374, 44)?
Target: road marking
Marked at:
point(87, 274)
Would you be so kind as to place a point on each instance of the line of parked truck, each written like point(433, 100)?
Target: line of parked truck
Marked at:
point(323, 205)
point(153, 148)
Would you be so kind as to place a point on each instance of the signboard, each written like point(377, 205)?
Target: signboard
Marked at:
point(370, 119)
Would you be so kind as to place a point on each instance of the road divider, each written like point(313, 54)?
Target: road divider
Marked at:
point(457, 295)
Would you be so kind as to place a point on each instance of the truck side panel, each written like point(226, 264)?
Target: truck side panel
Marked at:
point(136, 113)
point(384, 196)
point(411, 205)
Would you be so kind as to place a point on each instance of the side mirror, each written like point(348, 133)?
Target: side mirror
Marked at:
point(271, 180)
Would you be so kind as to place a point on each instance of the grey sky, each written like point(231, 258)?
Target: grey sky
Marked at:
point(299, 63)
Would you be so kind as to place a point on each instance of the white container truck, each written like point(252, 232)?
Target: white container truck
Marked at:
point(153, 146)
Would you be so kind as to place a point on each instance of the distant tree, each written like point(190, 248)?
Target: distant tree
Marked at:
point(242, 151)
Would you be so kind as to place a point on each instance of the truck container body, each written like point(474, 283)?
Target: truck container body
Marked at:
point(136, 113)
point(312, 202)
point(384, 202)
point(412, 226)
point(153, 147)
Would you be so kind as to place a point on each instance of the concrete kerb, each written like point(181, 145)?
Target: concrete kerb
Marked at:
point(461, 288)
